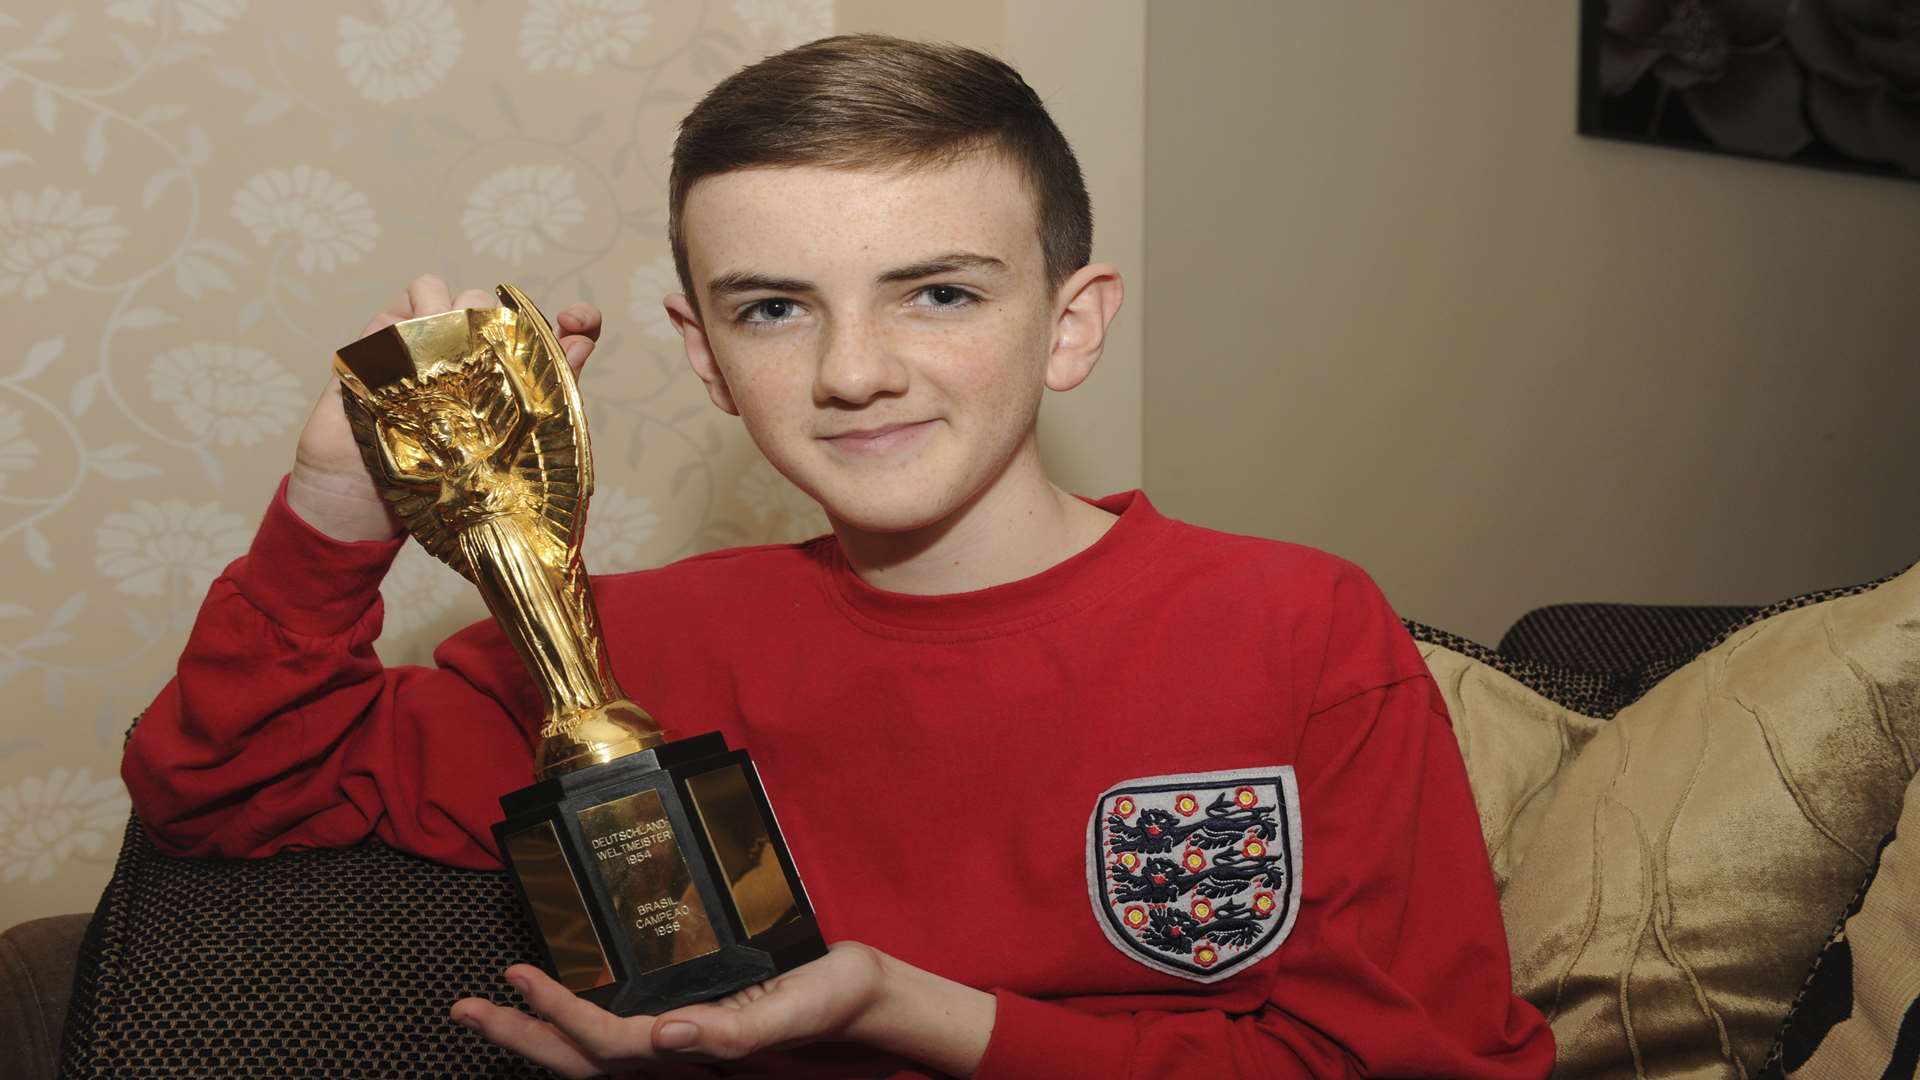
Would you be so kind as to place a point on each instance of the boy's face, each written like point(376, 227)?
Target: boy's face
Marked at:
point(885, 335)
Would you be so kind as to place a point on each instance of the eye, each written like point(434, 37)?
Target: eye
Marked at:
point(774, 309)
point(944, 296)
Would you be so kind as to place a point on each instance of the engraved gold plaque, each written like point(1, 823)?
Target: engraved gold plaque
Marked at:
point(635, 850)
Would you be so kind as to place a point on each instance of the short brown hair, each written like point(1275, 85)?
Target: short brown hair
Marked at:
point(867, 101)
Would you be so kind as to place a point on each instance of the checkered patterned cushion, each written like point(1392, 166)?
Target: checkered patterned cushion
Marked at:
point(314, 963)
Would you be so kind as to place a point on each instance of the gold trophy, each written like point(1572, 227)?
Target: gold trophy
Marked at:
point(652, 870)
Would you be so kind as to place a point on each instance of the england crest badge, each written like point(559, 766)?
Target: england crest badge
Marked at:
point(1197, 874)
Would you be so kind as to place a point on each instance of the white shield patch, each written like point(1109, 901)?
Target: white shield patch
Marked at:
point(1197, 874)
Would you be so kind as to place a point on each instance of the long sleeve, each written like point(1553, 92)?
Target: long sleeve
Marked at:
point(1398, 963)
point(281, 728)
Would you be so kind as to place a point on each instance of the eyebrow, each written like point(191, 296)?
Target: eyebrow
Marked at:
point(949, 263)
point(734, 282)
point(741, 281)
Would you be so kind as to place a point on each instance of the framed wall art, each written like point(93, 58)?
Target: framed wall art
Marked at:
point(1829, 83)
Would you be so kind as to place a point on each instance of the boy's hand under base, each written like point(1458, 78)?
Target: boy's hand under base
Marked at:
point(854, 993)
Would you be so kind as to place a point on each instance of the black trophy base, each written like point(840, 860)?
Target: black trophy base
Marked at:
point(659, 879)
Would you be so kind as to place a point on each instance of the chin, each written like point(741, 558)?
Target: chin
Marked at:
point(888, 508)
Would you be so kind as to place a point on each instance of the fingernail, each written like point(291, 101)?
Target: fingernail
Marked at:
point(676, 1035)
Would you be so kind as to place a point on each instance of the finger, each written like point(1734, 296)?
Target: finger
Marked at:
point(581, 318)
point(399, 307)
point(429, 295)
point(381, 322)
point(579, 325)
point(533, 1039)
point(597, 1032)
point(577, 348)
point(475, 298)
point(725, 1032)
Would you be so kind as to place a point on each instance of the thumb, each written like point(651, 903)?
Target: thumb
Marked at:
point(726, 1034)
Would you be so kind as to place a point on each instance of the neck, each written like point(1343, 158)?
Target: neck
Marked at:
point(1017, 526)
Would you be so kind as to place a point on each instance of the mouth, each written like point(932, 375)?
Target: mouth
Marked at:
point(880, 439)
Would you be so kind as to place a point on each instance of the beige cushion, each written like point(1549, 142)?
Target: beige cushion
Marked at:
point(1881, 943)
point(1667, 885)
point(1515, 743)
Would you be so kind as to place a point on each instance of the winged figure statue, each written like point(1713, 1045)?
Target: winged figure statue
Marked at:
point(470, 423)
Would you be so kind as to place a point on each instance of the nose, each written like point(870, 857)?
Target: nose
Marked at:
point(857, 363)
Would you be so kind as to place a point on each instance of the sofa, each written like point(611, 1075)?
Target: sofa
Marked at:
point(1691, 813)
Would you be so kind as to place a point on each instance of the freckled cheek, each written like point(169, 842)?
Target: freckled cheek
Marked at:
point(768, 377)
point(1002, 371)
point(991, 356)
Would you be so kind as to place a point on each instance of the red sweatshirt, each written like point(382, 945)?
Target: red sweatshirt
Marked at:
point(1187, 803)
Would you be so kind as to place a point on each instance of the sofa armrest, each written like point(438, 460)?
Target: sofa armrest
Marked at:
point(37, 961)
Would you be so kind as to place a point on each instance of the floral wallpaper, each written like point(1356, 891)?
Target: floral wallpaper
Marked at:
point(199, 201)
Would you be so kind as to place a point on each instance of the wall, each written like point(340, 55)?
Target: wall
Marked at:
point(201, 199)
point(1402, 312)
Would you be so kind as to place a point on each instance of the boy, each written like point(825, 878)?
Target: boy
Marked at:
point(1082, 791)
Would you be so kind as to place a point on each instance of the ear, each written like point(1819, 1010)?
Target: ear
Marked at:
point(1085, 305)
point(693, 338)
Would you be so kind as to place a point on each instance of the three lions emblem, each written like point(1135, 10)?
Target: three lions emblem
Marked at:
point(1197, 874)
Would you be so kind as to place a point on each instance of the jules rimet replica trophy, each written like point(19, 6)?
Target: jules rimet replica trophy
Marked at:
point(653, 870)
